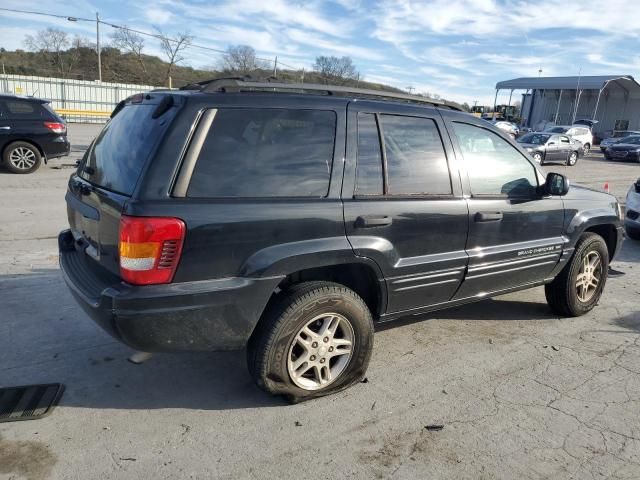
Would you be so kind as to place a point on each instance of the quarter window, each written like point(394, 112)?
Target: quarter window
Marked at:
point(266, 153)
point(494, 166)
point(369, 161)
point(22, 109)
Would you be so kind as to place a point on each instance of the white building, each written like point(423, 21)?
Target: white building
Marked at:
point(613, 100)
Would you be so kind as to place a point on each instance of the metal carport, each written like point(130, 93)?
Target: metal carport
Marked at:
point(613, 100)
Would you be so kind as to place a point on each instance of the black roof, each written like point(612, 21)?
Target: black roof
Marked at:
point(22, 97)
point(223, 85)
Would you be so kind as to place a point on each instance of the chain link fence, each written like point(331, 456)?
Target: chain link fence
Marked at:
point(77, 101)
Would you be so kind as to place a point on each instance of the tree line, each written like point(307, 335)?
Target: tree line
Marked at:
point(53, 52)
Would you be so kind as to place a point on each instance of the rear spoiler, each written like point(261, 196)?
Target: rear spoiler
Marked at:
point(165, 104)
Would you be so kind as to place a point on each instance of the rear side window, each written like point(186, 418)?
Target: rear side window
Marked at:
point(266, 153)
point(120, 151)
point(24, 110)
point(416, 160)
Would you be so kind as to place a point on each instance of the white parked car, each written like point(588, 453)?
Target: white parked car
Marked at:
point(508, 127)
point(582, 133)
point(632, 217)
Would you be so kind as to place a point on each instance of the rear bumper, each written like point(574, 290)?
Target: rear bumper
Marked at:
point(57, 147)
point(205, 315)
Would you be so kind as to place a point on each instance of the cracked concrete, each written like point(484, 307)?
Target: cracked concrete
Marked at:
point(520, 392)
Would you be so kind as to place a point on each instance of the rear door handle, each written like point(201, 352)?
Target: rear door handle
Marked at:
point(488, 216)
point(368, 222)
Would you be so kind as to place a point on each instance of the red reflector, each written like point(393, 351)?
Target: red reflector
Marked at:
point(56, 127)
point(150, 249)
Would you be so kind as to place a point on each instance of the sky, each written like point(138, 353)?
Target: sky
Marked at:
point(457, 49)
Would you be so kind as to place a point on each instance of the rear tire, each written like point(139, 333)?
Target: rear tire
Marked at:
point(22, 157)
point(573, 159)
point(578, 288)
point(315, 339)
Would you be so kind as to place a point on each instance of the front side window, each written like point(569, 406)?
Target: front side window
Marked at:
point(494, 166)
point(564, 140)
point(415, 156)
point(270, 152)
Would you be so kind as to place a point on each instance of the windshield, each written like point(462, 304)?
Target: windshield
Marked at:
point(558, 130)
point(635, 140)
point(534, 138)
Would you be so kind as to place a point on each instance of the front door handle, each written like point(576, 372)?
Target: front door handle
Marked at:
point(369, 222)
point(488, 216)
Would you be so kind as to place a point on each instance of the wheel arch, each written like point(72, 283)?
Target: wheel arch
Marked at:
point(609, 233)
point(24, 140)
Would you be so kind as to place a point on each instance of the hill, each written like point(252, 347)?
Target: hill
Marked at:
point(80, 63)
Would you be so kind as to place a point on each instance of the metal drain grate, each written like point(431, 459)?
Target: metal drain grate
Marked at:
point(29, 402)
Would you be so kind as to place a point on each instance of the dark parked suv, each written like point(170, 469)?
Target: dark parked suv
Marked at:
point(30, 133)
point(289, 219)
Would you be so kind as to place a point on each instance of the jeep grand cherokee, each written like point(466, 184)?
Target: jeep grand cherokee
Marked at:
point(287, 219)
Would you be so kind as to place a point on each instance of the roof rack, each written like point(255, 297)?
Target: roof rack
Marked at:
point(246, 84)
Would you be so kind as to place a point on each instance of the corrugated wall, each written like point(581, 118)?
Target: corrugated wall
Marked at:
point(75, 100)
point(613, 106)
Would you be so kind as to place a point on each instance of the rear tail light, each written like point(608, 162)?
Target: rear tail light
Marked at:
point(56, 127)
point(150, 249)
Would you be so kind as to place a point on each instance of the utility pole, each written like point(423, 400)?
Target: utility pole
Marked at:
point(98, 46)
point(275, 67)
point(411, 89)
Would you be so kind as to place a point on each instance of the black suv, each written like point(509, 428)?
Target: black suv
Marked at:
point(291, 218)
point(30, 133)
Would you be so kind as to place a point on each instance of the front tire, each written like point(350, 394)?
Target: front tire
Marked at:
point(578, 288)
point(538, 158)
point(586, 147)
point(573, 159)
point(315, 339)
point(22, 157)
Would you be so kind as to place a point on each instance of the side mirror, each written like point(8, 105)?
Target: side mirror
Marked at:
point(551, 143)
point(556, 184)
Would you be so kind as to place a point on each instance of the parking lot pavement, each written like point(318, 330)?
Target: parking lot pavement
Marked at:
point(519, 392)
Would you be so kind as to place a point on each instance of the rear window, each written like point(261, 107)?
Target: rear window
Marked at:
point(120, 151)
point(266, 153)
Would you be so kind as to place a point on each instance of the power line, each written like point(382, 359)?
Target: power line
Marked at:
point(139, 32)
point(66, 17)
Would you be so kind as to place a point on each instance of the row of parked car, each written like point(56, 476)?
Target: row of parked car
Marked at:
point(567, 143)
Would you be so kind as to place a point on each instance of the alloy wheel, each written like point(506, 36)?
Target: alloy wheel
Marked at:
point(589, 276)
point(320, 351)
point(573, 158)
point(22, 158)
